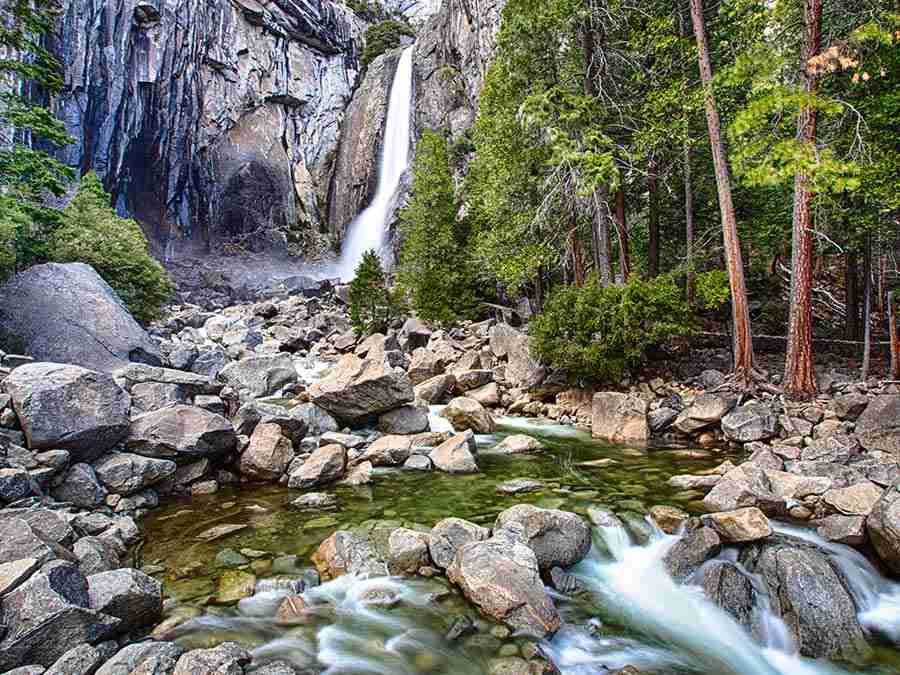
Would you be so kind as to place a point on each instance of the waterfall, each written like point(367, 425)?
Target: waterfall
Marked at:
point(369, 228)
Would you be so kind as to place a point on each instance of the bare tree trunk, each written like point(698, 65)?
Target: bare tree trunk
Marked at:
point(600, 237)
point(743, 339)
point(600, 230)
point(895, 337)
point(799, 376)
point(689, 220)
point(577, 257)
point(653, 222)
point(867, 311)
point(851, 290)
point(622, 232)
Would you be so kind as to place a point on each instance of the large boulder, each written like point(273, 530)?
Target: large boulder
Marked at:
point(448, 535)
point(68, 407)
point(268, 455)
point(883, 526)
point(407, 419)
point(423, 365)
point(619, 418)
point(69, 314)
point(318, 421)
point(293, 425)
point(81, 487)
point(182, 432)
point(456, 454)
point(348, 553)
point(502, 578)
point(127, 594)
point(260, 376)
point(126, 473)
point(407, 551)
point(47, 615)
point(705, 411)
point(143, 658)
point(325, 465)
point(359, 389)
point(228, 658)
point(467, 413)
point(523, 370)
point(751, 422)
point(435, 389)
point(558, 538)
point(878, 428)
point(809, 592)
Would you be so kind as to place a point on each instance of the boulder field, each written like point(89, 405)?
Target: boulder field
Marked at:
point(281, 390)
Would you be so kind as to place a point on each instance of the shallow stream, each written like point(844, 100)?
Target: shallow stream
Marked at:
point(633, 614)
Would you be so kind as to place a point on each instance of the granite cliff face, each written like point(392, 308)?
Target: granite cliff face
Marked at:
point(244, 120)
point(209, 120)
point(453, 54)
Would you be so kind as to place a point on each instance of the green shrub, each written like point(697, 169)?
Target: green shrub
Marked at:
point(373, 307)
point(383, 37)
point(598, 333)
point(92, 233)
point(712, 289)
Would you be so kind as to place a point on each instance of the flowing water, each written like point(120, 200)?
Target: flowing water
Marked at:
point(369, 229)
point(631, 614)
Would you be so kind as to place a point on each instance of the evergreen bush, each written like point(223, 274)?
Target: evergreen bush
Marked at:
point(597, 333)
point(92, 233)
point(383, 37)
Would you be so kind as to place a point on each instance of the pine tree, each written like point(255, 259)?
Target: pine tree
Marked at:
point(433, 269)
point(28, 175)
point(372, 306)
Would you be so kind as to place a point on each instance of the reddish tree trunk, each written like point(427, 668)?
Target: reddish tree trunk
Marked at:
point(895, 337)
point(799, 377)
point(743, 339)
point(622, 232)
point(689, 221)
point(653, 223)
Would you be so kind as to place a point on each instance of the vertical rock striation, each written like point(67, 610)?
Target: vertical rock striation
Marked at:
point(453, 54)
point(208, 119)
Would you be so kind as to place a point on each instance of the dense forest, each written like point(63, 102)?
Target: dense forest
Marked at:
point(636, 162)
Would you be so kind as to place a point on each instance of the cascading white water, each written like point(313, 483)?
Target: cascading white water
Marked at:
point(369, 229)
point(679, 627)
